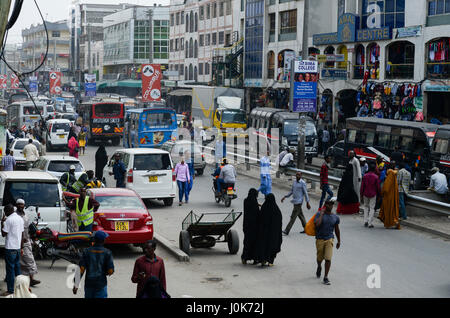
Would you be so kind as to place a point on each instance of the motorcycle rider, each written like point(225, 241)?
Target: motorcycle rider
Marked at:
point(216, 174)
point(84, 207)
point(82, 182)
point(228, 175)
point(68, 179)
point(93, 181)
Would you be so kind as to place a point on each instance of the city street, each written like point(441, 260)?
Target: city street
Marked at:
point(412, 264)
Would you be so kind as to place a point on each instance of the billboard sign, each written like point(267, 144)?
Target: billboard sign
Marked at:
point(304, 86)
point(151, 82)
point(55, 83)
point(14, 81)
point(90, 84)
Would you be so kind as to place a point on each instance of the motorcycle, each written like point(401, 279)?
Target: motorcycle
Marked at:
point(56, 245)
point(228, 193)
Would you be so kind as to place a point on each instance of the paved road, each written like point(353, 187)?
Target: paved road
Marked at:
point(412, 264)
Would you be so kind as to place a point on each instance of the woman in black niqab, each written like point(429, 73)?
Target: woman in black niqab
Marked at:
point(347, 198)
point(250, 226)
point(270, 233)
point(101, 159)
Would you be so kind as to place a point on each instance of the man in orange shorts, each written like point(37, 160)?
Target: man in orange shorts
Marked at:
point(326, 223)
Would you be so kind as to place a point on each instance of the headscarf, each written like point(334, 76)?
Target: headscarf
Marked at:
point(251, 224)
point(389, 210)
point(73, 143)
point(270, 230)
point(101, 156)
point(21, 287)
point(346, 191)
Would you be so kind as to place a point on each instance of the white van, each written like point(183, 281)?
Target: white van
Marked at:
point(37, 189)
point(59, 132)
point(25, 113)
point(150, 172)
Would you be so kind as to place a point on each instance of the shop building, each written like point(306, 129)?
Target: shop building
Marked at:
point(388, 59)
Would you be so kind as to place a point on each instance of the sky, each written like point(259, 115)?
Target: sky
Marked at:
point(55, 10)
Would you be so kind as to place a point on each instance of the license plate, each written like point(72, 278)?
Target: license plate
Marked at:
point(153, 179)
point(122, 226)
point(61, 136)
point(230, 191)
point(33, 117)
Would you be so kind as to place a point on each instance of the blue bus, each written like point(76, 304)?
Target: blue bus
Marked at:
point(149, 127)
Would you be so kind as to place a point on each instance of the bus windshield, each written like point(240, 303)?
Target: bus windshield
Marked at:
point(159, 120)
point(232, 117)
point(107, 110)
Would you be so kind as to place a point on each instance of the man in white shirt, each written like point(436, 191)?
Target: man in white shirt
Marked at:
point(31, 153)
point(438, 182)
point(287, 159)
point(12, 229)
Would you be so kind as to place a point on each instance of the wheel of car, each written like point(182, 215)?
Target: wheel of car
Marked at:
point(185, 242)
point(168, 202)
point(200, 172)
point(233, 241)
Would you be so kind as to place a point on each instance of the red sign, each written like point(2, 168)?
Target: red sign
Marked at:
point(55, 83)
point(14, 81)
point(151, 82)
point(3, 81)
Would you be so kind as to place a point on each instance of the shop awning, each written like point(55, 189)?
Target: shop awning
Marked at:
point(181, 92)
point(124, 83)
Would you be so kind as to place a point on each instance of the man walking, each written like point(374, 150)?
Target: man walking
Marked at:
point(183, 179)
point(30, 153)
point(299, 191)
point(119, 171)
point(84, 207)
point(12, 229)
point(370, 189)
point(97, 263)
point(325, 140)
point(147, 266)
point(8, 161)
point(28, 265)
point(326, 223)
point(324, 186)
point(403, 179)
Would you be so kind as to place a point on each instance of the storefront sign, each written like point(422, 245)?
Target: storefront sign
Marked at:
point(418, 102)
point(332, 73)
point(304, 86)
point(325, 38)
point(437, 88)
point(55, 83)
point(90, 85)
point(33, 85)
point(368, 35)
point(151, 82)
point(252, 82)
point(346, 28)
point(409, 32)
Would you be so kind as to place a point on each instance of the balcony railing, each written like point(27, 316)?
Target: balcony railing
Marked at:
point(400, 71)
point(358, 71)
point(438, 70)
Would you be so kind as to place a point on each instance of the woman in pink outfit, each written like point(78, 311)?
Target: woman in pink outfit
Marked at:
point(73, 147)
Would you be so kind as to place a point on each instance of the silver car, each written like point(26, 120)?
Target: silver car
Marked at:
point(178, 149)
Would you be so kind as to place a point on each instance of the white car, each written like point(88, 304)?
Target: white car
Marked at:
point(59, 132)
point(58, 165)
point(38, 189)
point(17, 149)
point(149, 172)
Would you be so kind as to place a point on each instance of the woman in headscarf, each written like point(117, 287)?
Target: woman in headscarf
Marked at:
point(101, 160)
point(73, 147)
point(390, 205)
point(347, 198)
point(250, 227)
point(22, 288)
point(270, 231)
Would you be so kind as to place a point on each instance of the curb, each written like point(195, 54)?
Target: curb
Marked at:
point(425, 229)
point(179, 254)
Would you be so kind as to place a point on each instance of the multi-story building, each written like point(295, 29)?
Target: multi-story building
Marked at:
point(127, 36)
point(202, 34)
point(35, 46)
point(13, 54)
point(86, 29)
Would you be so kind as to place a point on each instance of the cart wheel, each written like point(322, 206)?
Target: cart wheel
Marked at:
point(227, 201)
point(233, 241)
point(185, 242)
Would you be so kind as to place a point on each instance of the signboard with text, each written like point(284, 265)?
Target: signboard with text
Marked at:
point(90, 85)
point(33, 85)
point(151, 82)
point(14, 81)
point(55, 83)
point(305, 86)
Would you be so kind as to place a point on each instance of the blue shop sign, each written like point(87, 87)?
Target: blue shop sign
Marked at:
point(346, 28)
point(334, 73)
point(368, 35)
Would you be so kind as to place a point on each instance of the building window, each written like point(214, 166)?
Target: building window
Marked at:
point(272, 27)
point(56, 34)
point(181, 69)
point(438, 63)
point(221, 37)
point(181, 44)
point(228, 39)
point(200, 68)
point(195, 49)
point(329, 51)
point(392, 13)
point(171, 45)
point(400, 60)
point(186, 73)
point(288, 22)
point(208, 11)
point(228, 8)
point(196, 22)
point(182, 17)
point(176, 45)
point(201, 40)
point(358, 68)
point(178, 18)
point(207, 39)
point(341, 7)
point(191, 23)
point(436, 7)
point(191, 48)
point(206, 68)
point(186, 55)
point(214, 38)
point(191, 72)
point(187, 22)
point(221, 8)
point(271, 65)
point(171, 19)
point(160, 39)
point(214, 10)
point(195, 74)
point(202, 12)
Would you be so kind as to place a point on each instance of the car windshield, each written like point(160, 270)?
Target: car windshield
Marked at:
point(237, 117)
point(35, 193)
point(152, 162)
point(64, 166)
point(107, 110)
point(22, 143)
point(119, 202)
point(291, 128)
point(50, 109)
point(60, 126)
point(69, 117)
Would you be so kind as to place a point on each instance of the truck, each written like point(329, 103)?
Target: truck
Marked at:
point(219, 107)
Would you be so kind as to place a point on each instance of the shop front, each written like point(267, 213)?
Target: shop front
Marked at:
point(437, 96)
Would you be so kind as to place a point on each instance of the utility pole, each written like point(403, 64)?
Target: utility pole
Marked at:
point(54, 56)
point(89, 47)
point(302, 118)
point(150, 35)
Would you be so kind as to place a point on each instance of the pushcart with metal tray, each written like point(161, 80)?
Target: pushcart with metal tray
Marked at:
point(207, 229)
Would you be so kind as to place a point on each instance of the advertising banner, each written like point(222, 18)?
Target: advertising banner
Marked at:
point(3, 81)
point(305, 86)
point(14, 81)
point(33, 85)
point(151, 82)
point(55, 83)
point(90, 85)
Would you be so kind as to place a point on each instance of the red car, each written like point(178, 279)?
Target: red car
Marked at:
point(123, 215)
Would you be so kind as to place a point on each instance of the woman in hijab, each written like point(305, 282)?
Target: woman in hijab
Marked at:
point(390, 205)
point(73, 147)
point(101, 159)
point(347, 198)
point(270, 231)
point(251, 223)
point(22, 288)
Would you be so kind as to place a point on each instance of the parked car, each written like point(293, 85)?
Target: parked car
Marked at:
point(337, 154)
point(38, 189)
point(123, 215)
point(177, 149)
point(58, 133)
point(17, 148)
point(58, 165)
point(150, 172)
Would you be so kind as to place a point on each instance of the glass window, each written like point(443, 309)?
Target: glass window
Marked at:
point(395, 141)
point(440, 7)
point(441, 146)
point(120, 202)
point(34, 193)
point(152, 162)
point(383, 140)
point(158, 120)
point(60, 126)
point(107, 110)
point(406, 144)
point(63, 166)
point(352, 136)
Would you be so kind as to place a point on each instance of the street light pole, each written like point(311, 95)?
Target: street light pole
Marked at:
point(89, 47)
point(150, 35)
